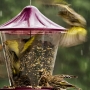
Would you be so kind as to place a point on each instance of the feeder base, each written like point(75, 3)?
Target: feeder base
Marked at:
point(27, 88)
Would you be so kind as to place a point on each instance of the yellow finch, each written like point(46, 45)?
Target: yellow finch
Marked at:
point(15, 49)
point(28, 43)
point(70, 16)
point(73, 36)
point(12, 45)
point(55, 81)
point(76, 33)
point(20, 45)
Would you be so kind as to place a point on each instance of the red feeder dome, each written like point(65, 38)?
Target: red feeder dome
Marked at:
point(30, 18)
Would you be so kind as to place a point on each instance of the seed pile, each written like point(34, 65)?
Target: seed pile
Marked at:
point(39, 56)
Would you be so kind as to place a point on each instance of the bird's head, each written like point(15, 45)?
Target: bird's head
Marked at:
point(10, 42)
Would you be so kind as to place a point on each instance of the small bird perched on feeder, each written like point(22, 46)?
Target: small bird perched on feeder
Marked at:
point(12, 47)
point(28, 43)
point(19, 46)
point(55, 81)
point(16, 48)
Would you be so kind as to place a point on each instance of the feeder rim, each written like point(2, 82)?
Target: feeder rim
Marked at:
point(37, 29)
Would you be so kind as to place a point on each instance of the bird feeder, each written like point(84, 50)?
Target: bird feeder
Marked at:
point(30, 43)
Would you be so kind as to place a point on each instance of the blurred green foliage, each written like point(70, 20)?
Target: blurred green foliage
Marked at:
point(74, 60)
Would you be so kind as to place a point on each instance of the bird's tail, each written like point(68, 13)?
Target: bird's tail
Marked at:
point(68, 76)
point(66, 85)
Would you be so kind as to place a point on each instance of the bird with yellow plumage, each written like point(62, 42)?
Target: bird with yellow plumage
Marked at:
point(76, 32)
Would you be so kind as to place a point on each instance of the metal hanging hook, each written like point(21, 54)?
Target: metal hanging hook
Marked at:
point(30, 2)
point(30, 30)
point(0, 13)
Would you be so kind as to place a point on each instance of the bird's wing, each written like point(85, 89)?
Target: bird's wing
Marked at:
point(73, 36)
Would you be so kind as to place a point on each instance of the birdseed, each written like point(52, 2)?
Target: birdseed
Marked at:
point(39, 56)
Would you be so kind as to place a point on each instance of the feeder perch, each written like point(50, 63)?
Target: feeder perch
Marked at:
point(30, 44)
